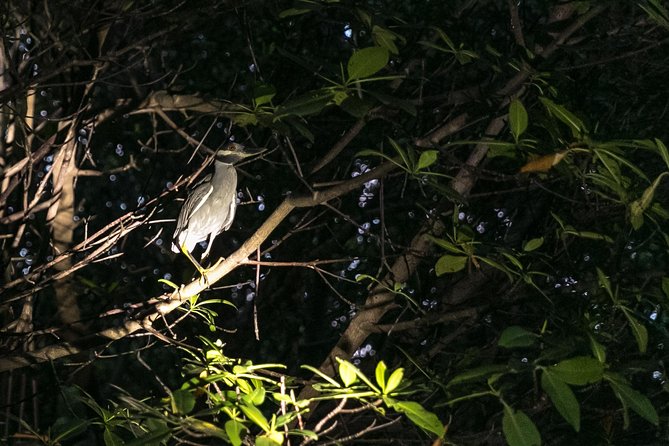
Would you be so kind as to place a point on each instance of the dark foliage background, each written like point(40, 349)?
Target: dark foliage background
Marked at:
point(534, 234)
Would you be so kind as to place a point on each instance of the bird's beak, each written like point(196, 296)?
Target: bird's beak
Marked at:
point(249, 152)
point(252, 151)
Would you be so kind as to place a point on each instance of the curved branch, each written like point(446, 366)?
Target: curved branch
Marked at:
point(169, 302)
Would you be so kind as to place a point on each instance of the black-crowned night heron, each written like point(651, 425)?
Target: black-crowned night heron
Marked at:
point(210, 206)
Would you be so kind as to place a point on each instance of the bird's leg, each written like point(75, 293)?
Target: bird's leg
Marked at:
point(206, 251)
point(203, 271)
point(195, 263)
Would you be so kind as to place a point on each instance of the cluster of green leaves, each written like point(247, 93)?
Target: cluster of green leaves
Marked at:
point(234, 400)
point(611, 172)
point(225, 399)
point(200, 308)
point(608, 159)
point(347, 93)
point(386, 390)
point(557, 377)
point(555, 362)
point(459, 52)
point(382, 35)
point(407, 159)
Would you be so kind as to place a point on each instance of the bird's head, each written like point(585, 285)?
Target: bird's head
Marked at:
point(233, 153)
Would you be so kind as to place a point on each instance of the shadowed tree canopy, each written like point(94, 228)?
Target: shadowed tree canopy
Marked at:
point(456, 232)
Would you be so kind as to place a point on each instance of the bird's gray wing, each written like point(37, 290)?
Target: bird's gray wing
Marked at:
point(195, 200)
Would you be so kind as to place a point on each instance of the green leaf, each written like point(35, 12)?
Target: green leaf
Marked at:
point(406, 155)
point(263, 94)
point(255, 415)
point(497, 265)
point(339, 96)
point(515, 336)
point(665, 286)
point(366, 62)
point(517, 118)
point(604, 282)
point(394, 380)
point(426, 159)
point(636, 401)
point(598, 350)
point(465, 56)
point(361, 376)
point(257, 396)
point(444, 37)
point(657, 12)
point(380, 373)
point(420, 416)
point(639, 331)
point(588, 234)
point(578, 371)
point(182, 401)
point(385, 38)
point(292, 12)
point(64, 428)
point(234, 428)
point(355, 106)
point(393, 101)
point(636, 217)
point(513, 259)
point(244, 119)
point(154, 437)
point(478, 373)
point(518, 429)
point(450, 264)
point(169, 283)
point(263, 440)
point(347, 373)
point(364, 16)
point(502, 149)
point(446, 245)
point(533, 244)
point(301, 128)
point(563, 399)
point(111, 439)
point(307, 104)
point(638, 207)
point(606, 182)
point(576, 125)
point(610, 164)
point(622, 160)
point(205, 427)
point(660, 211)
point(325, 377)
point(664, 153)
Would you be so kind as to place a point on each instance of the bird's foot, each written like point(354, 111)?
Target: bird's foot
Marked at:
point(218, 262)
point(200, 269)
point(204, 271)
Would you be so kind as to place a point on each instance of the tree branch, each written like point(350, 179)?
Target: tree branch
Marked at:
point(167, 303)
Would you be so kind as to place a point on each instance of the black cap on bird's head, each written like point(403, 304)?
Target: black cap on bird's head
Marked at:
point(234, 152)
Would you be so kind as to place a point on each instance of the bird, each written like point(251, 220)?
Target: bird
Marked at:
point(210, 206)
